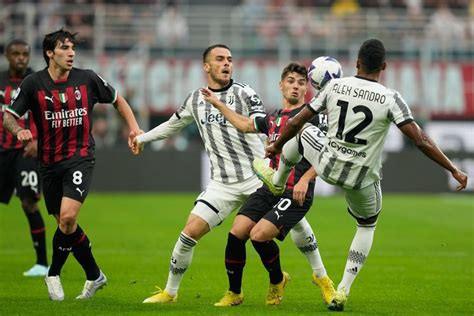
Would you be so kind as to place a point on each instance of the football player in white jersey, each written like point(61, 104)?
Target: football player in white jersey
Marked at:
point(230, 153)
point(360, 111)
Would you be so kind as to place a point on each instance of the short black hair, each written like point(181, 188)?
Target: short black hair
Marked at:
point(372, 55)
point(16, 41)
point(50, 40)
point(295, 67)
point(207, 50)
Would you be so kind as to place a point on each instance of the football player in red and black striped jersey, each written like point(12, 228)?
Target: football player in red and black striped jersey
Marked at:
point(18, 166)
point(61, 99)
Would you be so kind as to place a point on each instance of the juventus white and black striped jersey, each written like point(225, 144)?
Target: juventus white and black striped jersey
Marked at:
point(230, 152)
point(360, 112)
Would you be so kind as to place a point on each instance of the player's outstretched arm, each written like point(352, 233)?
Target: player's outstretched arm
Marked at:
point(290, 131)
point(240, 122)
point(11, 125)
point(430, 149)
point(127, 114)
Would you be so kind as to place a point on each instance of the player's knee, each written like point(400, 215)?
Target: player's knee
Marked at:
point(29, 206)
point(240, 232)
point(196, 228)
point(242, 226)
point(260, 235)
point(67, 221)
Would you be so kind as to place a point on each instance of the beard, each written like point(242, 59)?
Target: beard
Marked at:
point(220, 81)
point(293, 101)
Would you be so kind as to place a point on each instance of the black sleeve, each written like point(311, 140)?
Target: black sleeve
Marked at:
point(105, 92)
point(261, 124)
point(22, 99)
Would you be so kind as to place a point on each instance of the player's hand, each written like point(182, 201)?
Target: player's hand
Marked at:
point(137, 148)
point(299, 192)
point(25, 136)
point(31, 149)
point(460, 177)
point(210, 97)
point(271, 151)
point(133, 144)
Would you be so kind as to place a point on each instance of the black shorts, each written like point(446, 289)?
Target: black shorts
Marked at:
point(17, 172)
point(69, 178)
point(282, 211)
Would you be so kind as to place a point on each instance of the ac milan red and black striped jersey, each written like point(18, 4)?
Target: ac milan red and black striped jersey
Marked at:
point(8, 86)
point(62, 111)
point(273, 125)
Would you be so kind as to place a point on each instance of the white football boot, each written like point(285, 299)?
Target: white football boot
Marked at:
point(90, 287)
point(55, 289)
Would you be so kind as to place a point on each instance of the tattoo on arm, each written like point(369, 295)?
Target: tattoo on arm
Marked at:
point(10, 123)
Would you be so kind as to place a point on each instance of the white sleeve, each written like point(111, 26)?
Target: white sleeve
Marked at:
point(254, 103)
point(399, 112)
point(319, 102)
point(164, 130)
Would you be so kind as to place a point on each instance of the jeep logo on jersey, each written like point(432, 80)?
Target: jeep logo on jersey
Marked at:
point(210, 118)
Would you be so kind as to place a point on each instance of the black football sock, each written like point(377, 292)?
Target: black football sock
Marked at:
point(38, 235)
point(235, 256)
point(270, 255)
point(82, 251)
point(61, 248)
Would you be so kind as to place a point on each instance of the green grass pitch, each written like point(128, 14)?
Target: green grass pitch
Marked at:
point(421, 260)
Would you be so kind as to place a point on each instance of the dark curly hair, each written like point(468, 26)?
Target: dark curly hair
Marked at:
point(372, 55)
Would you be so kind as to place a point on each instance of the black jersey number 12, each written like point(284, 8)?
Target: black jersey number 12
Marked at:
point(350, 136)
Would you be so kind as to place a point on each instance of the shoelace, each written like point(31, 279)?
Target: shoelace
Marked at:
point(87, 286)
point(158, 290)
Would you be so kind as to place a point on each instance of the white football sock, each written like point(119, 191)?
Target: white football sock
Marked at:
point(358, 252)
point(289, 157)
point(303, 237)
point(179, 263)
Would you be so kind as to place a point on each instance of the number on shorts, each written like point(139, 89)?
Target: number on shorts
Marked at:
point(30, 179)
point(77, 177)
point(283, 204)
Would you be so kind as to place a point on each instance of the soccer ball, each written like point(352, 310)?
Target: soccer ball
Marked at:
point(323, 69)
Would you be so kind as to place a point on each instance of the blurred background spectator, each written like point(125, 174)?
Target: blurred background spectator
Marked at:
point(151, 49)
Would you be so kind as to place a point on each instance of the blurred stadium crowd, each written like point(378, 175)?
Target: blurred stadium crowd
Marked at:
point(412, 30)
point(107, 25)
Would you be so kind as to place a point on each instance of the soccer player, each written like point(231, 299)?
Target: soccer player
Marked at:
point(61, 99)
point(360, 111)
point(265, 216)
point(230, 153)
point(18, 166)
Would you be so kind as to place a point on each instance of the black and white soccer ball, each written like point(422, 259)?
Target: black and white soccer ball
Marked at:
point(323, 69)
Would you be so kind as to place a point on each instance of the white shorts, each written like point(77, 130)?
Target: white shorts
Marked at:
point(218, 200)
point(363, 204)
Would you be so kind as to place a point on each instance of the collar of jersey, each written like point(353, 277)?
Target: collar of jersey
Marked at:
point(224, 88)
point(359, 77)
point(283, 111)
